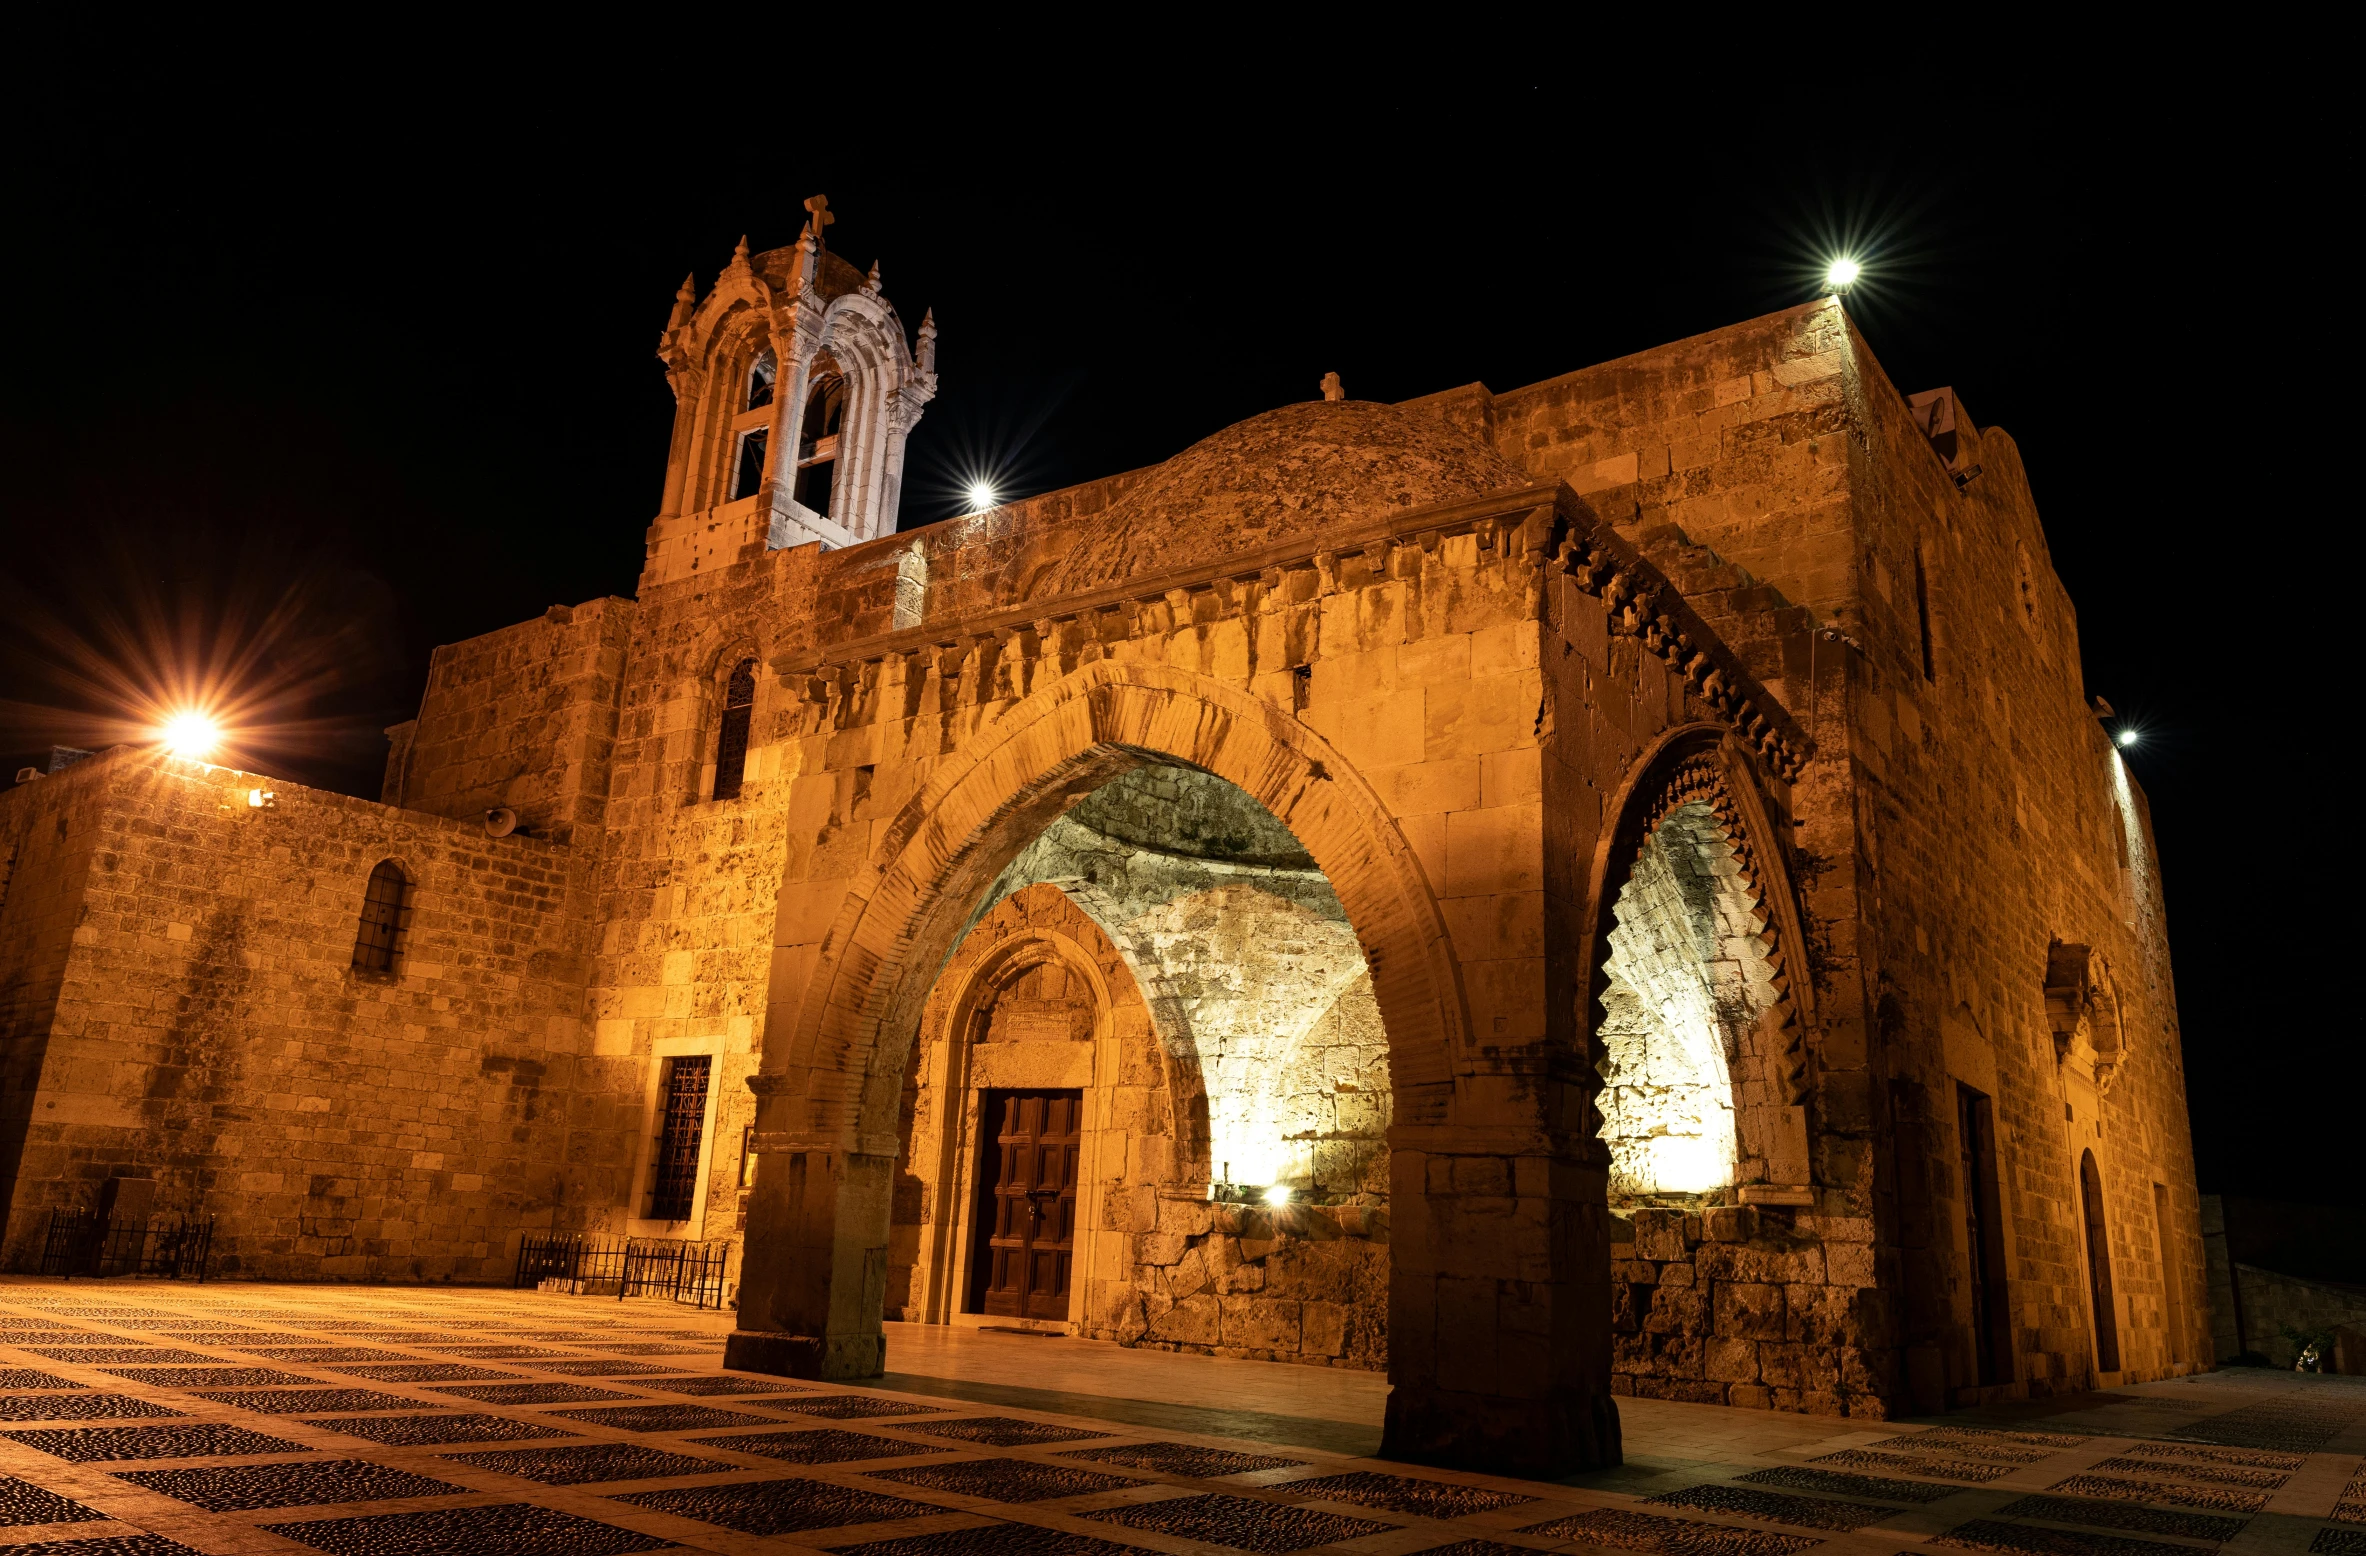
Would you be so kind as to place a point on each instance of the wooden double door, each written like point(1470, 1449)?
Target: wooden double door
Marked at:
point(1026, 1228)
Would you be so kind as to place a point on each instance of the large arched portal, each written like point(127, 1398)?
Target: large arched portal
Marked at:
point(1479, 1222)
point(1166, 981)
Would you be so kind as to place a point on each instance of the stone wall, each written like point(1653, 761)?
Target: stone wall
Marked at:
point(523, 719)
point(209, 1030)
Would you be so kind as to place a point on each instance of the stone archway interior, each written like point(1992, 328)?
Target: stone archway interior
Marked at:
point(1242, 1054)
point(1687, 976)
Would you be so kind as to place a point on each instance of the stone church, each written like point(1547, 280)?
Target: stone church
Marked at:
point(1614, 887)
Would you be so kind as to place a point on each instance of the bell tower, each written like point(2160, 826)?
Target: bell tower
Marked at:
point(794, 395)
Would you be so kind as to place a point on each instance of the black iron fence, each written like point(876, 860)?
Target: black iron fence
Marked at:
point(698, 1274)
point(83, 1242)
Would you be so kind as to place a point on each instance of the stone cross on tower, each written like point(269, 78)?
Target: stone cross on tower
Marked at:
point(819, 209)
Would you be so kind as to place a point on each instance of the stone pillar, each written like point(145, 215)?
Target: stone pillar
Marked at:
point(1499, 1311)
point(814, 1269)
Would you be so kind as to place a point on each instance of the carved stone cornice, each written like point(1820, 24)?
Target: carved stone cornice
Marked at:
point(1550, 526)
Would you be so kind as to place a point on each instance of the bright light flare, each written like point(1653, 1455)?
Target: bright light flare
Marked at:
point(982, 497)
point(1842, 274)
point(191, 734)
point(2126, 738)
point(1279, 1194)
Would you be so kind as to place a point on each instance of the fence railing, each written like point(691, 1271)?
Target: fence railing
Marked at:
point(82, 1242)
point(697, 1274)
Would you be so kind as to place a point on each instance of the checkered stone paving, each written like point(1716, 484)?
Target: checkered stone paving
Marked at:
point(1988, 1534)
point(319, 1355)
point(493, 1352)
point(195, 1440)
point(854, 1407)
point(2351, 1508)
point(210, 1377)
point(240, 1488)
point(299, 1402)
point(1798, 1477)
point(997, 1431)
point(426, 1431)
point(781, 1506)
point(80, 1407)
point(107, 1545)
point(2290, 1428)
point(2215, 1474)
point(1184, 1459)
point(2119, 1489)
point(28, 1378)
point(995, 1540)
point(711, 1386)
point(1478, 1548)
point(1779, 1507)
point(583, 1463)
point(2122, 1515)
point(655, 1349)
point(95, 1355)
point(1239, 1522)
point(1403, 1494)
point(2249, 1458)
point(1994, 1446)
point(510, 1528)
point(664, 1418)
point(820, 1445)
point(531, 1393)
point(607, 1369)
point(427, 1372)
point(1670, 1536)
point(22, 1502)
point(2333, 1540)
point(1977, 1471)
point(1007, 1480)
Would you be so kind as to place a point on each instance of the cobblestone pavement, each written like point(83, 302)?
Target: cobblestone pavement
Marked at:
point(390, 1421)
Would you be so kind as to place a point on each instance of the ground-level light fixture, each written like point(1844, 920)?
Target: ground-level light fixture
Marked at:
point(1842, 274)
point(2126, 737)
point(1279, 1194)
point(982, 497)
point(192, 735)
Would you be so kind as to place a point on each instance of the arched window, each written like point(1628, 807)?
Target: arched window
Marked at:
point(760, 383)
point(385, 914)
point(817, 443)
point(731, 740)
point(2107, 1326)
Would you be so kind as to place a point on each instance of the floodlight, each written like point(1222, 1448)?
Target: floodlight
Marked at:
point(1842, 274)
point(192, 735)
point(982, 497)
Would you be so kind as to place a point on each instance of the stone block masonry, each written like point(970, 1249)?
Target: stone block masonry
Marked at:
point(191, 1013)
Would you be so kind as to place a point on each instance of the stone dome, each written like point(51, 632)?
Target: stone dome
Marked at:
point(1287, 472)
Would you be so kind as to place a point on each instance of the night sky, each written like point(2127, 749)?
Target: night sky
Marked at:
point(304, 384)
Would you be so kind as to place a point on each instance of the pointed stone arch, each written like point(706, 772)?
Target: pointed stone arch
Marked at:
point(981, 805)
point(1701, 788)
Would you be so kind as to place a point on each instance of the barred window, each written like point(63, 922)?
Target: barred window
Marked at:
point(385, 914)
point(731, 743)
point(682, 1117)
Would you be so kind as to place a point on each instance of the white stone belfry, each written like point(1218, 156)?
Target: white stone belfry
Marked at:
point(795, 391)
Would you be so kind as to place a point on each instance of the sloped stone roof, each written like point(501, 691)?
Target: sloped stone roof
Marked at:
point(1286, 472)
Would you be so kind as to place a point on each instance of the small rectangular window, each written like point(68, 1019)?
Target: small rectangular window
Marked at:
point(751, 464)
point(747, 1157)
point(682, 1118)
point(813, 485)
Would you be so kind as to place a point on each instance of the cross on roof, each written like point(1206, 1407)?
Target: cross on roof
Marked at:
point(819, 208)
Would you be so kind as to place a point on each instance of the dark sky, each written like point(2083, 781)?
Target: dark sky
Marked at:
point(309, 381)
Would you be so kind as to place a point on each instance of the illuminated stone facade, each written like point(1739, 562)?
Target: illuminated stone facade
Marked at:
point(1612, 887)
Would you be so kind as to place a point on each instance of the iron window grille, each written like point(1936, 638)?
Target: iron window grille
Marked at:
point(731, 744)
point(673, 1186)
point(385, 914)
